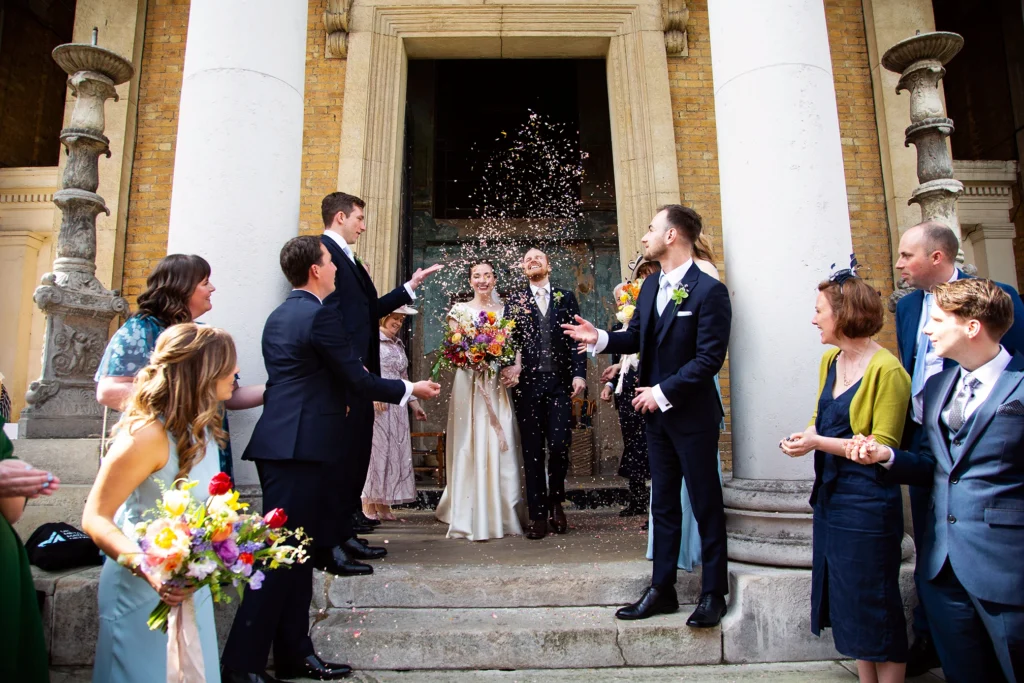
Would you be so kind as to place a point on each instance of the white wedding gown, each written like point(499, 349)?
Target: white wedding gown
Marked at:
point(483, 498)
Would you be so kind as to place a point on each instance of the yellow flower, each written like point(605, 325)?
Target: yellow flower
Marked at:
point(226, 505)
point(628, 310)
point(175, 502)
point(456, 338)
point(624, 298)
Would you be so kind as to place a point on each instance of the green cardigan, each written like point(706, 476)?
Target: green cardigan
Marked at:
point(880, 405)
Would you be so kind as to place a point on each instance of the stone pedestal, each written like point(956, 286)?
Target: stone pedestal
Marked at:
point(78, 308)
point(785, 219)
point(237, 166)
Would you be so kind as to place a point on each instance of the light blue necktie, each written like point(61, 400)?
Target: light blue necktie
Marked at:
point(924, 346)
point(348, 252)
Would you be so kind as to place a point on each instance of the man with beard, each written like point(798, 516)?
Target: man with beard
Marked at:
point(681, 331)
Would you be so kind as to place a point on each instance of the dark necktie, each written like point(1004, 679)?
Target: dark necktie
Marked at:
point(958, 407)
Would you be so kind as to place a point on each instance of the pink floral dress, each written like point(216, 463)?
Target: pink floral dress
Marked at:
point(390, 480)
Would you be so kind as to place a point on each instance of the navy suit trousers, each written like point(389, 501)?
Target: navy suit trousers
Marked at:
point(544, 414)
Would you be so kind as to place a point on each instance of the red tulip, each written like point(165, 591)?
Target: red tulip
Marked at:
point(221, 483)
point(275, 519)
point(245, 558)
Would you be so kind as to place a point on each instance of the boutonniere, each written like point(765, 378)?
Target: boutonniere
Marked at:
point(679, 293)
point(557, 296)
point(361, 262)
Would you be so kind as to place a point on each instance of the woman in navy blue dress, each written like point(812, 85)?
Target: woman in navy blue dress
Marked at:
point(858, 521)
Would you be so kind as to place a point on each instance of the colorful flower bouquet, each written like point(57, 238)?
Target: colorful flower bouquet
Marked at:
point(191, 543)
point(627, 301)
point(482, 343)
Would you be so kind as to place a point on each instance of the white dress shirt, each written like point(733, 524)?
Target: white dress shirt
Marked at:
point(666, 283)
point(340, 241)
point(987, 376)
point(407, 383)
point(933, 362)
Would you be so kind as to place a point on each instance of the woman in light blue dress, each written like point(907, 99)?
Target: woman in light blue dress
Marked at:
point(178, 394)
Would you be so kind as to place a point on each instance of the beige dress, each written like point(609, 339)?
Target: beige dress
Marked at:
point(483, 498)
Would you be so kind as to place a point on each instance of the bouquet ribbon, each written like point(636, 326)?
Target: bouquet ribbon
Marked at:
point(184, 651)
point(491, 415)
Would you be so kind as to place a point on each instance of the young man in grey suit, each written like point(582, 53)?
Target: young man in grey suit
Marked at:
point(971, 455)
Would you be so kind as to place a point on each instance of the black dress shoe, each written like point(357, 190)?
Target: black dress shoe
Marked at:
point(357, 550)
point(229, 676)
point(646, 525)
point(361, 541)
point(922, 657)
point(709, 612)
point(362, 529)
point(654, 601)
point(362, 520)
point(632, 511)
point(315, 668)
point(537, 529)
point(338, 562)
point(558, 522)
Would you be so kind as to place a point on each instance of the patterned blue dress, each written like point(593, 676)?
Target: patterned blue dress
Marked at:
point(128, 351)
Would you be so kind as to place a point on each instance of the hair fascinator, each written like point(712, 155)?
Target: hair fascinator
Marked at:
point(841, 276)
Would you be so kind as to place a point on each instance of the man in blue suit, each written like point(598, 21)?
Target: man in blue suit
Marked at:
point(681, 330)
point(971, 457)
point(311, 368)
point(356, 300)
point(927, 257)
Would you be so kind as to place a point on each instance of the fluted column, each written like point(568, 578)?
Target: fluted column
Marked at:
point(784, 221)
point(237, 167)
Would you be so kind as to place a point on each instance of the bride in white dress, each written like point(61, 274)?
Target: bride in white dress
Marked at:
point(483, 498)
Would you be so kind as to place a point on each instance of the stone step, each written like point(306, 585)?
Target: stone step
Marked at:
point(535, 585)
point(500, 638)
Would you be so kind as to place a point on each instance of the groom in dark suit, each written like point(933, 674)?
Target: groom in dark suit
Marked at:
point(356, 300)
point(681, 330)
point(551, 374)
point(971, 461)
point(311, 367)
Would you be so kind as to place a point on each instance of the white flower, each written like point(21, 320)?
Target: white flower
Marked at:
point(175, 502)
point(200, 569)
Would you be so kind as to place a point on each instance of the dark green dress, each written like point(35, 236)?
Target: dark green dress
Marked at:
point(23, 655)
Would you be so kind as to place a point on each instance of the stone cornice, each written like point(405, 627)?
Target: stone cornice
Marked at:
point(26, 198)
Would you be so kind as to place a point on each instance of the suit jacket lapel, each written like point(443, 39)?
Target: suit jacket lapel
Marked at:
point(1007, 383)
point(343, 261)
point(908, 335)
point(933, 409)
point(668, 316)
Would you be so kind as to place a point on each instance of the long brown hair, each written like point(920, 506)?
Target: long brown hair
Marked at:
point(180, 386)
point(169, 288)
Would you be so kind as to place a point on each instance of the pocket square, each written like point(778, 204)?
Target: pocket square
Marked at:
point(682, 314)
point(1012, 408)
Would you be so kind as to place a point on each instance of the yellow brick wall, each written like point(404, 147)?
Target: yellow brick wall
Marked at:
point(149, 200)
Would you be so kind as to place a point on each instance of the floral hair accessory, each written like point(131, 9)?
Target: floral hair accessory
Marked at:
point(841, 276)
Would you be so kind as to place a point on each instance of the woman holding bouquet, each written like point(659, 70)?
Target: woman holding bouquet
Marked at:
point(483, 498)
point(171, 428)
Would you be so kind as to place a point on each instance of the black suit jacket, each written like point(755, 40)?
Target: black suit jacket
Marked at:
point(690, 341)
point(355, 298)
point(310, 364)
point(522, 308)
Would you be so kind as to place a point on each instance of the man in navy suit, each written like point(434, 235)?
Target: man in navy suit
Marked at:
point(356, 300)
point(971, 458)
point(551, 374)
point(681, 330)
point(927, 257)
point(311, 365)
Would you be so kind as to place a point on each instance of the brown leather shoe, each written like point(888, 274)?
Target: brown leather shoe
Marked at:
point(537, 529)
point(558, 522)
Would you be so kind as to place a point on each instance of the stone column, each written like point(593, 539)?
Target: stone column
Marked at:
point(237, 167)
point(19, 250)
point(784, 221)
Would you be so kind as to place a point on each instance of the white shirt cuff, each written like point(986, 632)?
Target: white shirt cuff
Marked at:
point(610, 385)
point(892, 458)
point(659, 396)
point(408, 392)
point(598, 347)
point(409, 289)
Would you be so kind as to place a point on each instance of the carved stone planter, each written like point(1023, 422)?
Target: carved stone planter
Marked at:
point(62, 402)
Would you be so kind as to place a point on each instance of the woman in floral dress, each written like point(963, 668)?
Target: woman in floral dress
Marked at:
point(390, 479)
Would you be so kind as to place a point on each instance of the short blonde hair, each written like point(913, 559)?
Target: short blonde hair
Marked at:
point(380, 323)
point(977, 299)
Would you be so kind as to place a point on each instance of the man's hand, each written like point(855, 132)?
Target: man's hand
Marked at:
point(417, 412)
point(510, 375)
point(579, 385)
point(866, 451)
point(421, 274)
point(583, 331)
point(610, 372)
point(644, 402)
point(18, 479)
point(606, 394)
point(800, 443)
point(380, 406)
point(426, 389)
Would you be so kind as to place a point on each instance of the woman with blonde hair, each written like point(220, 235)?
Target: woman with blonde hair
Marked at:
point(170, 430)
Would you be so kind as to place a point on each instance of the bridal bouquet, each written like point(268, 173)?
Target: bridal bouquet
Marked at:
point(213, 543)
point(627, 301)
point(480, 342)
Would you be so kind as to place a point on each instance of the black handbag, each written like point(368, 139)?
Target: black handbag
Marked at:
point(56, 545)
